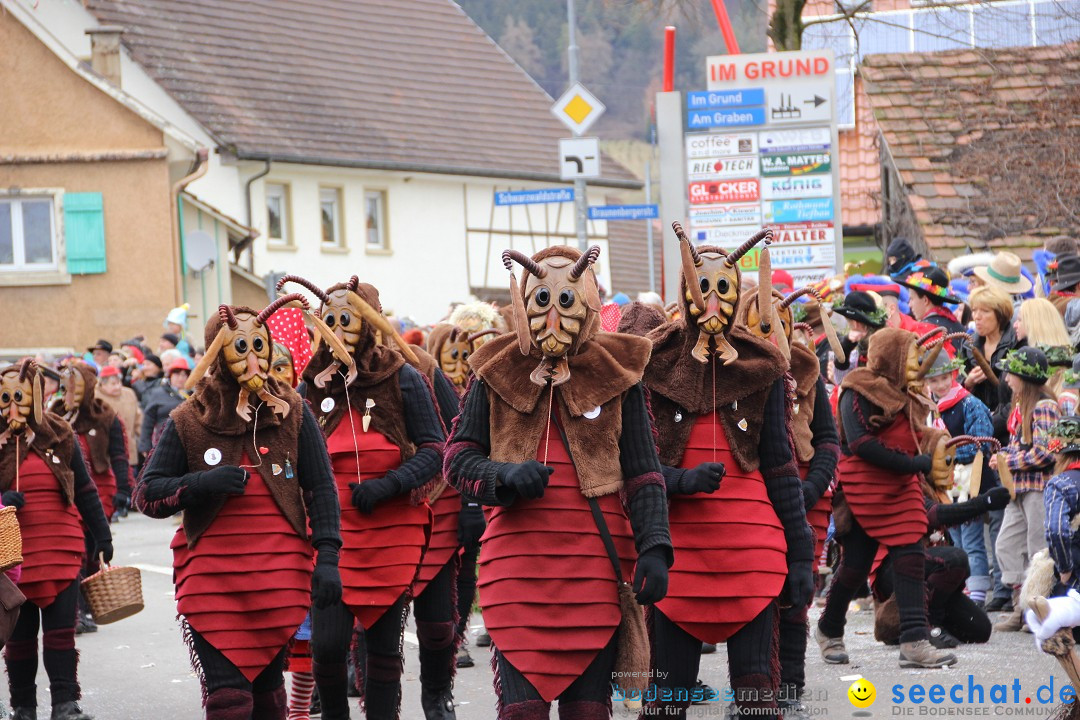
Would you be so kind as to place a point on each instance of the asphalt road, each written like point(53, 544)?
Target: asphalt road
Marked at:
point(139, 668)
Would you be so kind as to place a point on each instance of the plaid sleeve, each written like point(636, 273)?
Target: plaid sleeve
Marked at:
point(1038, 456)
point(976, 422)
point(1059, 500)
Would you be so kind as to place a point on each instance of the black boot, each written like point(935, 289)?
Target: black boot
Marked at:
point(381, 700)
point(69, 710)
point(24, 713)
point(438, 704)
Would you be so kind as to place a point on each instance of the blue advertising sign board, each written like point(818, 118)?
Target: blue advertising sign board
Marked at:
point(716, 99)
point(527, 197)
point(623, 212)
point(699, 119)
point(797, 211)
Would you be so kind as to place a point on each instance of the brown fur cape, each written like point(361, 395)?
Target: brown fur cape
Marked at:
point(805, 369)
point(94, 419)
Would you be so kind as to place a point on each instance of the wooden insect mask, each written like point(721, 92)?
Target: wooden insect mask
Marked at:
point(454, 352)
point(711, 284)
point(73, 388)
point(556, 306)
point(241, 347)
point(21, 394)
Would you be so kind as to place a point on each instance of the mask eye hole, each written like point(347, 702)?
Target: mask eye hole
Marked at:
point(5, 397)
point(345, 319)
point(465, 355)
point(241, 346)
point(454, 353)
point(722, 285)
point(329, 320)
point(566, 298)
point(543, 297)
point(258, 344)
point(18, 396)
point(704, 283)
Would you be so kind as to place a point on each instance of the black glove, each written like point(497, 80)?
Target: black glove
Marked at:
point(651, 577)
point(811, 494)
point(368, 494)
point(923, 463)
point(799, 586)
point(994, 498)
point(104, 547)
point(14, 498)
point(326, 580)
point(121, 502)
point(471, 523)
point(705, 478)
point(224, 480)
point(527, 479)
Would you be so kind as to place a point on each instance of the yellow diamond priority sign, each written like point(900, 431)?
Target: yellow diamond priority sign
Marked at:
point(578, 109)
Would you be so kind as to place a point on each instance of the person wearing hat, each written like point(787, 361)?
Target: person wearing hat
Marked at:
point(176, 325)
point(902, 258)
point(1064, 293)
point(1061, 502)
point(1030, 462)
point(124, 402)
point(930, 292)
point(864, 316)
point(146, 376)
point(100, 351)
point(1004, 272)
point(159, 402)
point(963, 414)
point(1069, 397)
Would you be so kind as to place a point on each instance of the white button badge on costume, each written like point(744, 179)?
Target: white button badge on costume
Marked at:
point(592, 414)
point(212, 456)
point(327, 404)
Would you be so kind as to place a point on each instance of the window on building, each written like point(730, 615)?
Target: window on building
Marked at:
point(277, 214)
point(330, 216)
point(27, 234)
point(375, 211)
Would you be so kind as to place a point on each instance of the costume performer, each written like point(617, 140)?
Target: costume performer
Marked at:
point(554, 435)
point(385, 441)
point(243, 457)
point(817, 450)
point(101, 435)
point(718, 399)
point(880, 500)
point(43, 474)
point(459, 523)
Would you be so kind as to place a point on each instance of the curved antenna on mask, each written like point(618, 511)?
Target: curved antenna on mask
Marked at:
point(691, 260)
point(735, 255)
point(805, 327)
point(925, 338)
point(789, 299)
point(530, 265)
point(227, 318)
point(477, 335)
point(26, 367)
point(517, 297)
point(273, 307)
point(353, 284)
point(380, 323)
point(304, 282)
point(585, 262)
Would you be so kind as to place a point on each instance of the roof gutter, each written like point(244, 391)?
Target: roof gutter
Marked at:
point(432, 169)
point(247, 188)
point(175, 209)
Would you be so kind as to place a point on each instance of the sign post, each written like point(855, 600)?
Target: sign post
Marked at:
point(761, 149)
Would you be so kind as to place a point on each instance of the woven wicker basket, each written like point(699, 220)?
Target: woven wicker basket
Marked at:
point(113, 593)
point(10, 539)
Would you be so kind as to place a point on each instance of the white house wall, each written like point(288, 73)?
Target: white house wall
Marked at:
point(431, 262)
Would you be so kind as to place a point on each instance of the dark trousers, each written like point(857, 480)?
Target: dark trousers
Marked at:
point(946, 570)
point(856, 560)
point(379, 659)
point(587, 698)
point(751, 650)
point(436, 627)
point(793, 634)
point(466, 586)
point(57, 625)
point(220, 673)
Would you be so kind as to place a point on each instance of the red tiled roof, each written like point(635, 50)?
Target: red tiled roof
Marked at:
point(388, 84)
point(984, 141)
point(860, 166)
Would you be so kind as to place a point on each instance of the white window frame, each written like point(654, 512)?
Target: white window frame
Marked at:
point(55, 273)
point(282, 192)
point(332, 194)
point(383, 246)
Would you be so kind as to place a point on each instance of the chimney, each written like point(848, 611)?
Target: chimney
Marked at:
point(105, 52)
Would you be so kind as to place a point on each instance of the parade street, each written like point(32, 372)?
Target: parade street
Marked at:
point(142, 662)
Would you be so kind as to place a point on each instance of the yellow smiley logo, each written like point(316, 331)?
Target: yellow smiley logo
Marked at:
point(862, 693)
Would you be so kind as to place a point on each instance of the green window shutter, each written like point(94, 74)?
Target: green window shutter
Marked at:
point(84, 233)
